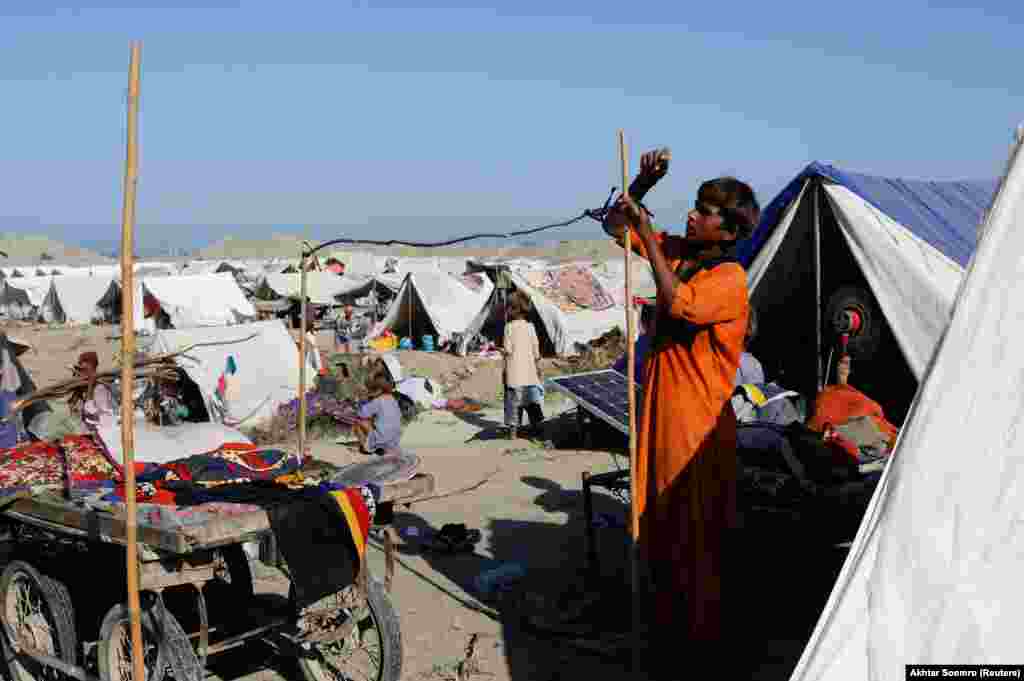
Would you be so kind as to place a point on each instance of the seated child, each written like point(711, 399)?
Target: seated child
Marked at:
point(379, 427)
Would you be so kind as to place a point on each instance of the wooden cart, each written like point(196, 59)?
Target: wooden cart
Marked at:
point(63, 613)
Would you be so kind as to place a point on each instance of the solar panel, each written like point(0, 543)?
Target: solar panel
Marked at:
point(602, 393)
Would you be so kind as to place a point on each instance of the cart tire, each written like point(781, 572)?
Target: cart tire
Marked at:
point(382, 619)
point(55, 619)
point(173, 650)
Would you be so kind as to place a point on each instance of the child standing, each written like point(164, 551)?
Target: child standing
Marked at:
point(379, 427)
point(523, 389)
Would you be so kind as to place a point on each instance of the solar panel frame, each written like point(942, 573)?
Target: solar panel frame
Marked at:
point(583, 389)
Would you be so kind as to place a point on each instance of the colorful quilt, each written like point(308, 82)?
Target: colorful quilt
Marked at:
point(76, 460)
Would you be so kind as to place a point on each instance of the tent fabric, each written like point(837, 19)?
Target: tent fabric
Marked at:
point(944, 214)
point(75, 299)
point(322, 288)
point(28, 290)
point(267, 366)
point(909, 238)
point(914, 283)
point(163, 444)
point(567, 330)
point(435, 303)
point(933, 574)
point(196, 300)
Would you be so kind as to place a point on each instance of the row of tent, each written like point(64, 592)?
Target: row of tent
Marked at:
point(189, 301)
point(904, 242)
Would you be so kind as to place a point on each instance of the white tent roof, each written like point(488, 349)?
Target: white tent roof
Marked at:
point(35, 288)
point(194, 301)
point(321, 287)
point(566, 329)
point(74, 297)
point(934, 573)
point(267, 364)
point(913, 281)
point(448, 303)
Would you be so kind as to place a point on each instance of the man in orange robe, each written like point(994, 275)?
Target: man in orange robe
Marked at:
point(686, 453)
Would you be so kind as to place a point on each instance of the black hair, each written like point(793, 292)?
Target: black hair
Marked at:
point(736, 202)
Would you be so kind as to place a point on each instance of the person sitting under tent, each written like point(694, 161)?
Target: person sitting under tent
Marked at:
point(686, 453)
point(641, 346)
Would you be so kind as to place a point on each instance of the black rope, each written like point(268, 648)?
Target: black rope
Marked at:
point(592, 213)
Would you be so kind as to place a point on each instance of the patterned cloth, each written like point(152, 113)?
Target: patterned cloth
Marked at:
point(571, 288)
point(474, 282)
point(75, 458)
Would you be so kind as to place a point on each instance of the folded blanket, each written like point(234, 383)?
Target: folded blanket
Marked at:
point(321, 531)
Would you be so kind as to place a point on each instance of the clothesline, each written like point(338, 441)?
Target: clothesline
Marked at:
point(595, 214)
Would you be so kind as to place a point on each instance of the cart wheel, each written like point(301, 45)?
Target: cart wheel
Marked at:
point(37, 613)
point(372, 652)
point(172, 649)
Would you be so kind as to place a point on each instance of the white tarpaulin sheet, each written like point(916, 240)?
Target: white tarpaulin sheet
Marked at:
point(448, 304)
point(73, 299)
point(914, 283)
point(934, 573)
point(322, 288)
point(162, 444)
point(267, 366)
point(28, 290)
point(567, 329)
point(195, 301)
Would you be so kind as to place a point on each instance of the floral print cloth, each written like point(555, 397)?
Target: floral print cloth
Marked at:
point(73, 459)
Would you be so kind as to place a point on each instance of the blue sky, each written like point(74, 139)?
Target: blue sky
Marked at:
point(416, 122)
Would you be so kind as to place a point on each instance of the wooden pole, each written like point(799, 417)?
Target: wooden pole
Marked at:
point(128, 360)
point(302, 355)
point(631, 381)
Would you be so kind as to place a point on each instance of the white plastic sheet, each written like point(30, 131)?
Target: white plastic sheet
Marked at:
point(934, 573)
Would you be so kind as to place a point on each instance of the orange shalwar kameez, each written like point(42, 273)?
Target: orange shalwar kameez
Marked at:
point(686, 444)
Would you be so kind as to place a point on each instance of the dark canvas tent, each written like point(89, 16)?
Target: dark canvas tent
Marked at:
point(892, 250)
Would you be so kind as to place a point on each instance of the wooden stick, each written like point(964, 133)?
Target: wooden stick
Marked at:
point(128, 363)
point(631, 381)
point(302, 355)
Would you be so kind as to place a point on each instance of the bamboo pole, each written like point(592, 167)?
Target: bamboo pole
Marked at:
point(631, 380)
point(302, 354)
point(128, 360)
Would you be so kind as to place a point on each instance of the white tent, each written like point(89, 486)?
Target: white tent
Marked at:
point(322, 288)
point(195, 301)
point(267, 367)
point(435, 303)
point(24, 295)
point(74, 299)
point(934, 572)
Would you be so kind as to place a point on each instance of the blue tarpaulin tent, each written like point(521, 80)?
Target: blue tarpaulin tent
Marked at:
point(892, 249)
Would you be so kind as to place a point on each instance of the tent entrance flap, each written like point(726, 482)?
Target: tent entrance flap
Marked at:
point(797, 341)
point(786, 343)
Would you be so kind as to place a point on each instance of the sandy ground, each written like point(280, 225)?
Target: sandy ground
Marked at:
point(529, 512)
